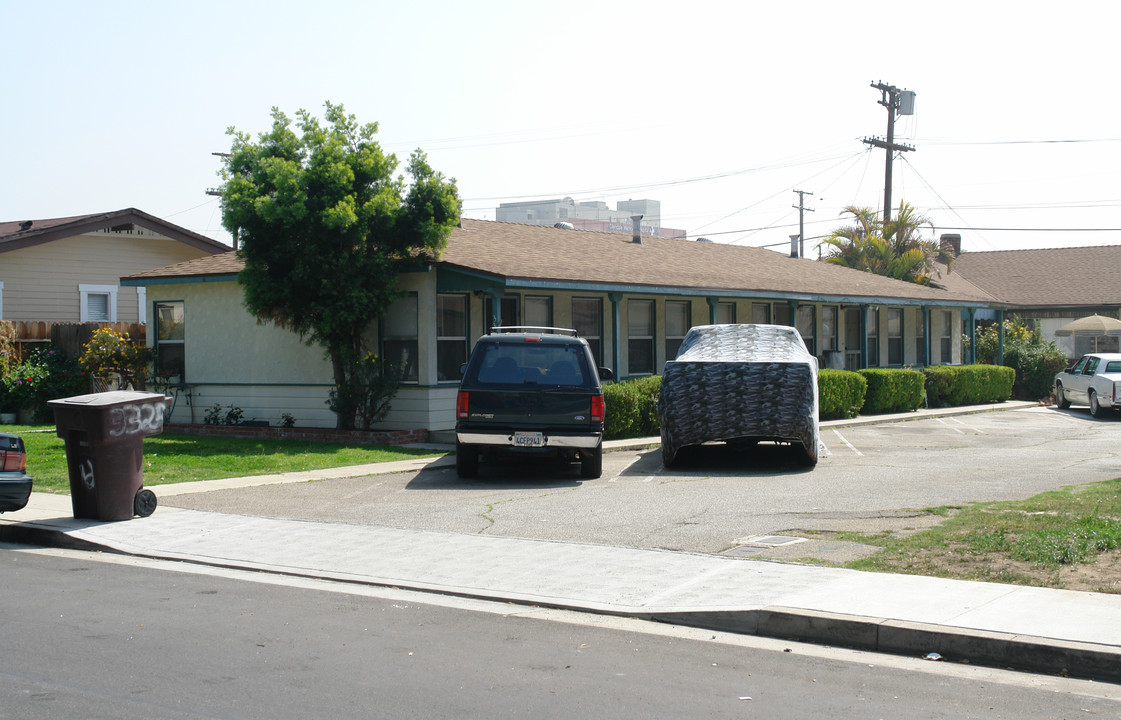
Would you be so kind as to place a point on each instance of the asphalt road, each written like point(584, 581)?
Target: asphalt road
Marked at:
point(871, 478)
point(91, 636)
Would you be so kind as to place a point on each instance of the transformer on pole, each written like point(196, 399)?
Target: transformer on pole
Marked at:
point(897, 102)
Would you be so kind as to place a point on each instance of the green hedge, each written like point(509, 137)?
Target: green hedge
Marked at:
point(840, 394)
point(892, 390)
point(951, 386)
point(631, 408)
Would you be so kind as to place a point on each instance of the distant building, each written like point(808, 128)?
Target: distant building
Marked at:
point(589, 215)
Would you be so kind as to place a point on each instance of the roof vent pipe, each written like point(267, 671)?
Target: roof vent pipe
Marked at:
point(794, 245)
point(636, 229)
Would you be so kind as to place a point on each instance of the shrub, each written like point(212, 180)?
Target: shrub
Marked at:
point(46, 375)
point(892, 390)
point(631, 408)
point(840, 393)
point(110, 352)
point(1035, 360)
point(951, 386)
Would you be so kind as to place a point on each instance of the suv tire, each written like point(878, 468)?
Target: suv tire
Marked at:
point(591, 465)
point(466, 460)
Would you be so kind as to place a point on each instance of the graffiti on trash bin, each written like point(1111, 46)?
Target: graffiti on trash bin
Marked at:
point(135, 419)
point(86, 472)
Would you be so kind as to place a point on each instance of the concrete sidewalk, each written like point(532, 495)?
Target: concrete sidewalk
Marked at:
point(1035, 629)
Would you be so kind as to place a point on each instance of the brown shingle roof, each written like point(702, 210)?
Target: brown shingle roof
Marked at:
point(540, 253)
point(1059, 277)
point(531, 253)
point(18, 234)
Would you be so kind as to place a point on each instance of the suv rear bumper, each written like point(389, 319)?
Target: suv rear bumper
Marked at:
point(506, 439)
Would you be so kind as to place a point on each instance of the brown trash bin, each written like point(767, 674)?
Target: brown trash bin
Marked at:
point(104, 435)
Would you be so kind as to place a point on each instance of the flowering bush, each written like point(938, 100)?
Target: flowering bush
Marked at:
point(1034, 359)
point(366, 394)
point(109, 352)
point(45, 375)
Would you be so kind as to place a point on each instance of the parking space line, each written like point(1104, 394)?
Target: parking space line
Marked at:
point(959, 432)
point(959, 422)
point(846, 443)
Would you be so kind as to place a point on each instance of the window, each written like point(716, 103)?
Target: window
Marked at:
point(508, 311)
point(828, 328)
point(806, 320)
point(873, 338)
point(920, 339)
point(761, 313)
point(451, 335)
point(399, 338)
point(895, 336)
point(142, 305)
point(852, 339)
point(170, 355)
point(587, 320)
point(947, 349)
point(98, 303)
point(539, 311)
point(640, 337)
point(725, 313)
point(782, 314)
point(677, 324)
point(1, 299)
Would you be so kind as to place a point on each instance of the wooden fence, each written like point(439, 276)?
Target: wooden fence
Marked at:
point(68, 337)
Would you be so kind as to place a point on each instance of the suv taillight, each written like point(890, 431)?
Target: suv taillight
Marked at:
point(461, 404)
point(597, 408)
point(13, 461)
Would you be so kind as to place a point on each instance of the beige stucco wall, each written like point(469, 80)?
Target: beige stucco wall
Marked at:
point(41, 282)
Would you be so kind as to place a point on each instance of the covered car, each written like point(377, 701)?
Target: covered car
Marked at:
point(735, 383)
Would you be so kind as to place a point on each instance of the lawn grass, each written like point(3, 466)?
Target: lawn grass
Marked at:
point(1026, 541)
point(173, 458)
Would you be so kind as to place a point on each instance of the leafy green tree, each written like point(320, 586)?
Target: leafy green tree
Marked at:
point(897, 250)
point(325, 229)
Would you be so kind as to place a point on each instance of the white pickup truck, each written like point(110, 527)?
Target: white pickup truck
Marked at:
point(1094, 380)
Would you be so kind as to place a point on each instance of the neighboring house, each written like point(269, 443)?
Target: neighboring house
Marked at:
point(69, 269)
point(633, 300)
point(1050, 287)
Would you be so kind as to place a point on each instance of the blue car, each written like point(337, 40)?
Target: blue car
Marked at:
point(15, 485)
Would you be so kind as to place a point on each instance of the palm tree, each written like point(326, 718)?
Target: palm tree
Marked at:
point(897, 251)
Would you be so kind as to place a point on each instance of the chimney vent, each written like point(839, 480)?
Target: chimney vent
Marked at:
point(794, 245)
point(951, 241)
point(636, 232)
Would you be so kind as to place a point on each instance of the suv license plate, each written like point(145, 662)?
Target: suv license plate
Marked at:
point(529, 439)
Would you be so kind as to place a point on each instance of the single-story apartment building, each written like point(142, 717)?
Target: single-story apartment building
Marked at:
point(633, 298)
point(1050, 287)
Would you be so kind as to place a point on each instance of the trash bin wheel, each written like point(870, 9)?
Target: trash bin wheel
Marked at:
point(145, 502)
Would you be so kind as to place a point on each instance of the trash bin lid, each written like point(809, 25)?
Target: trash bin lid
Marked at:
point(105, 399)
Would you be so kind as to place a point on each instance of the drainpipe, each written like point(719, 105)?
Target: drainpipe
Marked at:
point(712, 302)
point(616, 353)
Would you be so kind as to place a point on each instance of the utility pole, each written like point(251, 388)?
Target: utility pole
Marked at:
point(897, 102)
point(802, 209)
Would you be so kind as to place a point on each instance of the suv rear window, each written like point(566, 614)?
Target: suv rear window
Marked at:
point(533, 364)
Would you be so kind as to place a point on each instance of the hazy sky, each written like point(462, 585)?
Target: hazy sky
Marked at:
point(717, 109)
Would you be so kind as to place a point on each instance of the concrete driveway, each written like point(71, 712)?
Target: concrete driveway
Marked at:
point(870, 478)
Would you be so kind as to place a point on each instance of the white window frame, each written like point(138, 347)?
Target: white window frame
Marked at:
point(84, 291)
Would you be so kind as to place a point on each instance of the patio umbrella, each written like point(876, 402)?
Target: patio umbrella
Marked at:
point(1094, 326)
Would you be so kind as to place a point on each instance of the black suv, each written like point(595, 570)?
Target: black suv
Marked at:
point(530, 391)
